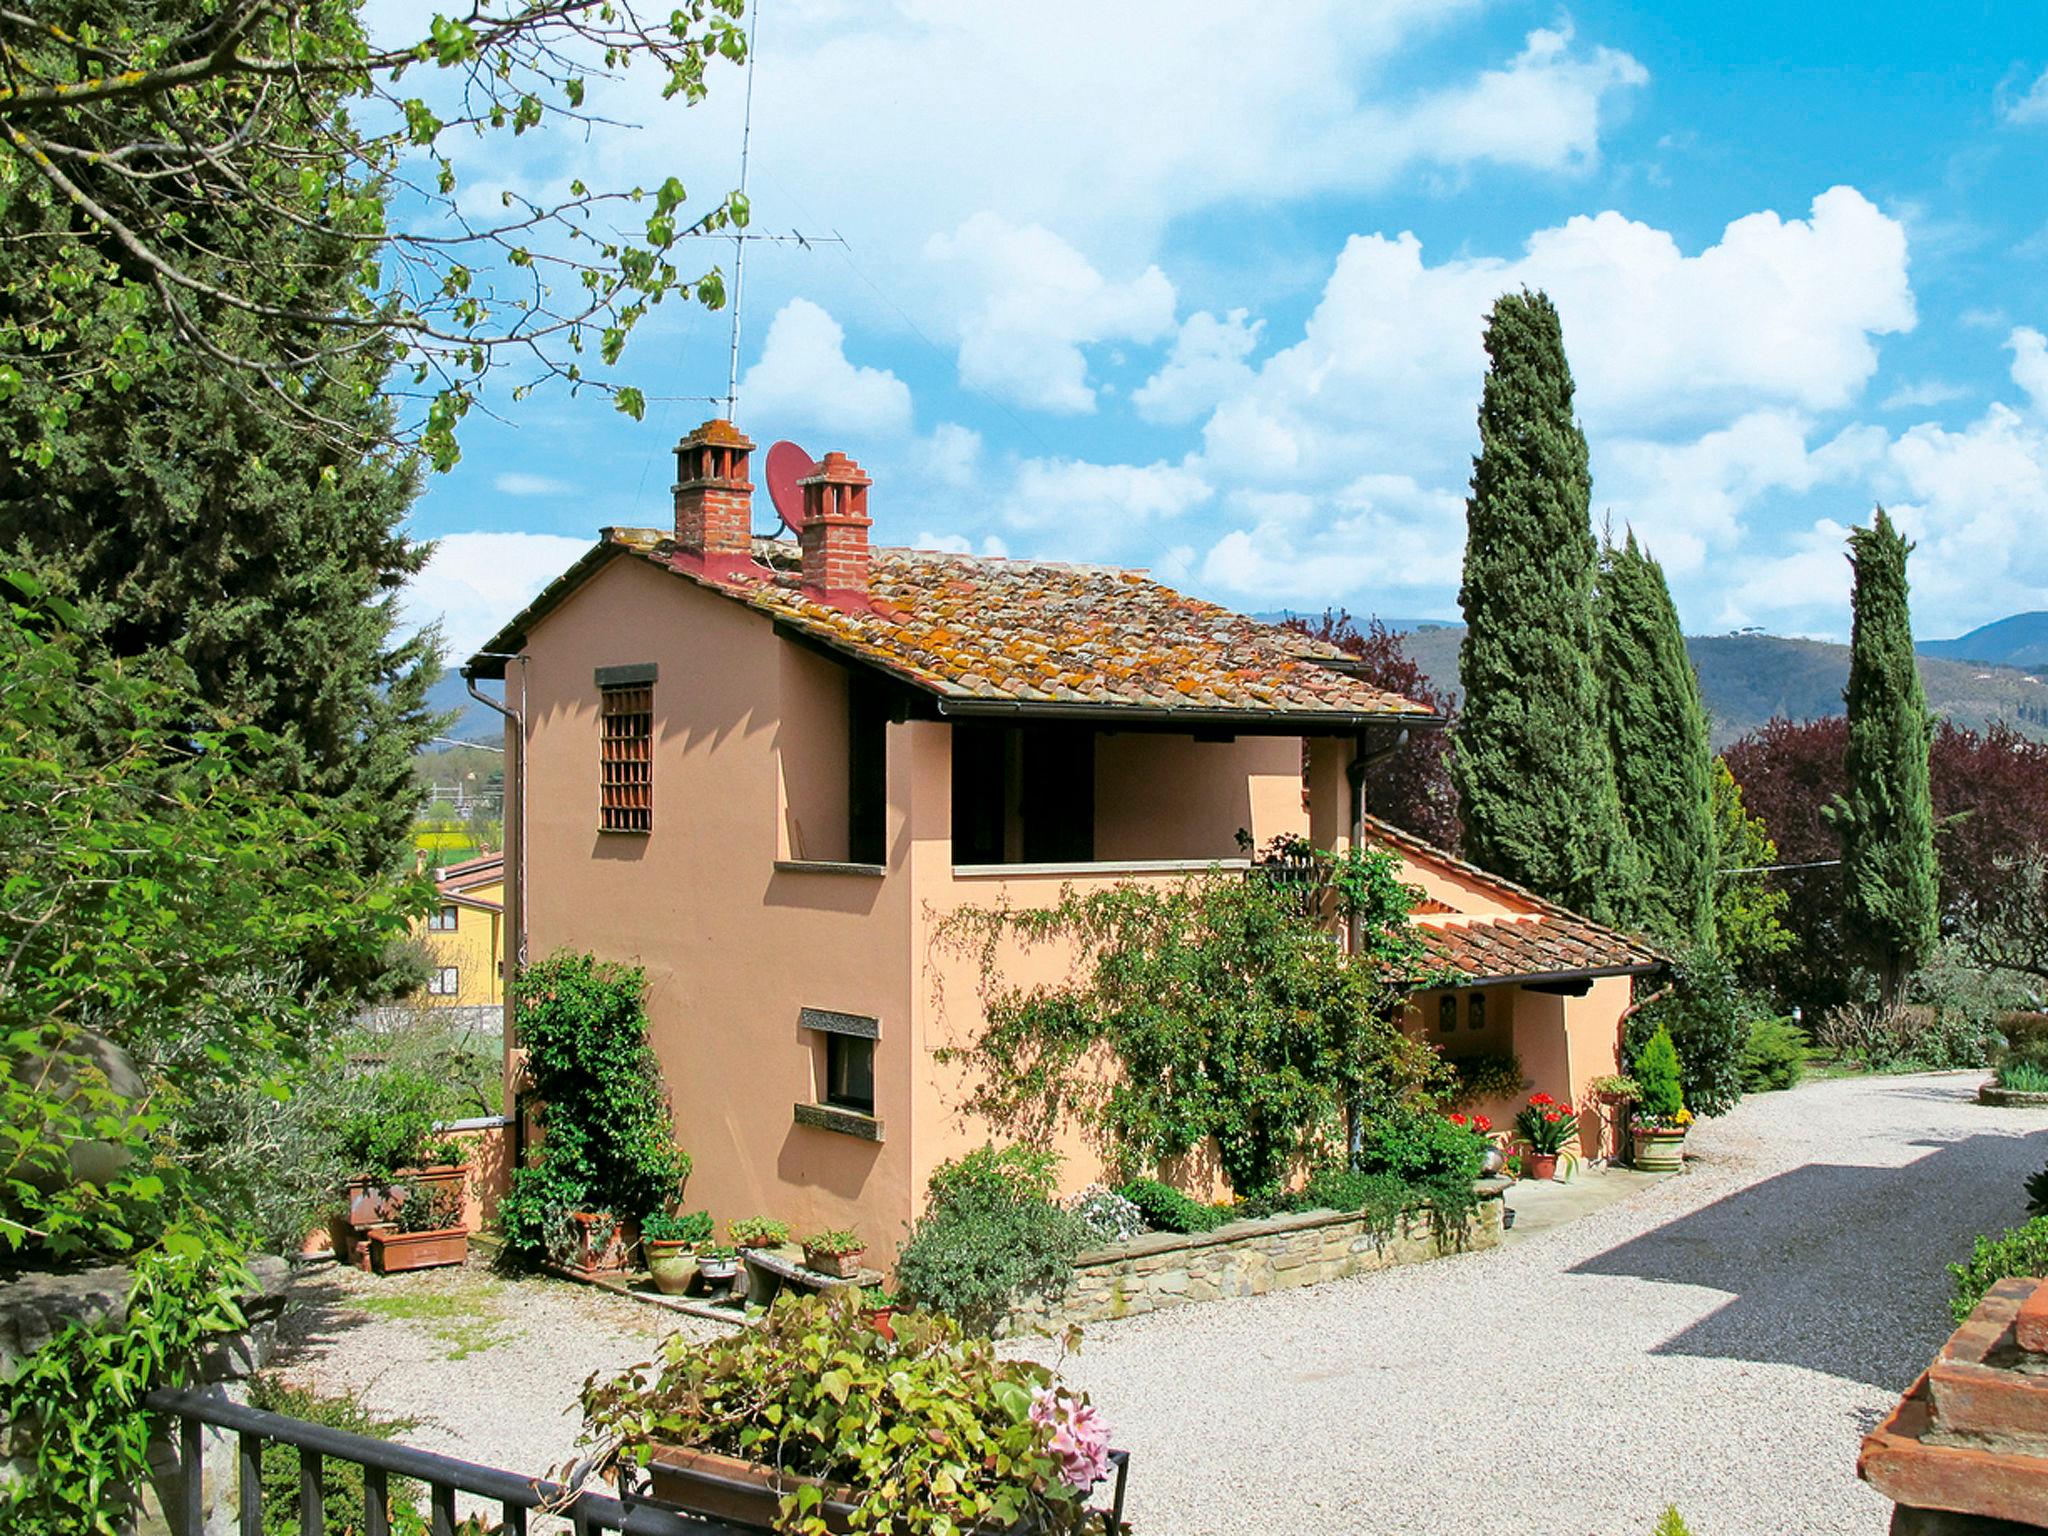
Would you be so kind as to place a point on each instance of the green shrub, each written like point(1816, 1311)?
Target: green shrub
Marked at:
point(1707, 1016)
point(1671, 1523)
point(1774, 1057)
point(662, 1227)
point(2022, 1076)
point(391, 1124)
point(1660, 1100)
point(2020, 1251)
point(1166, 1209)
point(609, 1139)
point(1419, 1148)
point(1381, 1197)
point(2037, 1193)
point(343, 1497)
point(990, 1233)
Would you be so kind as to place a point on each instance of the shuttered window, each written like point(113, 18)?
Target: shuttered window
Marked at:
point(625, 793)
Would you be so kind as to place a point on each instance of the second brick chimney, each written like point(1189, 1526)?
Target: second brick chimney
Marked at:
point(835, 531)
point(714, 498)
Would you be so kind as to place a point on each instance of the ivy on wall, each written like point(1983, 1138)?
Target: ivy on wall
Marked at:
point(1219, 1007)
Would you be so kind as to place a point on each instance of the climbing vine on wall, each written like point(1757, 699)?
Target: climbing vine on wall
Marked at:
point(1222, 1006)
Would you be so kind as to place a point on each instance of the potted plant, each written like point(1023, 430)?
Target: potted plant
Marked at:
point(757, 1232)
point(426, 1233)
point(1660, 1116)
point(1616, 1092)
point(718, 1264)
point(670, 1243)
point(1545, 1127)
point(595, 1243)
point(748, 1429)
point(836, 1253)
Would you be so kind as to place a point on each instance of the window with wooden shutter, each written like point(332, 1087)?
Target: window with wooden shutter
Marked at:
point(625, 796)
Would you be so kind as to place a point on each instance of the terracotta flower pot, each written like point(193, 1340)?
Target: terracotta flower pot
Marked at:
point(746, 1493)
point(1659, 1150)
point(1539, 1165)
point(673, 1264)
point(393, 1252)
point(604, 1244)
point(841, 1266)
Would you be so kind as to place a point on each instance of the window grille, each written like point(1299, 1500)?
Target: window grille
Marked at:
point(626, 760)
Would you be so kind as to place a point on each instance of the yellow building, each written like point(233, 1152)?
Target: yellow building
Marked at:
point(465, 934)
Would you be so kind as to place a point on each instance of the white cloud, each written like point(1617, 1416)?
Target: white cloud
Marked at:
point(1032, 301)
point(2029, 350)
point(2029, 107)
point(1095, 509)
point(950, 455)
point(960, 544)
point(517, 484)
point(1382, 535)
point(1921, 395)
point(1206, 365)
point(804, 377)
point(475, 582)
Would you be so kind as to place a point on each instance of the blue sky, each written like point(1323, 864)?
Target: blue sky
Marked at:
point(1200, 288)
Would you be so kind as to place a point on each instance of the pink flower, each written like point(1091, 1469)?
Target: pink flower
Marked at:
point(1079, 1440)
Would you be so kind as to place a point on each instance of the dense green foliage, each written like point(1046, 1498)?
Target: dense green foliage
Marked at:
point(1773, 1056)
point(932, 1431)
point(1657, 737)
point(1226, 1007)
point(990, 1235)
point(342, 1498)
point(1435, 1159)
point(1749, 906)
point(1486, 1075)
point(1166, 1209)
point(2023, 1250)
point(1886, 815)
point(665, 1227)
point(2022, 1076)
point(1660, 1099)
point(1380, 1197)
point(1535, 778)
point(608, 1142)
point(1708, 1017)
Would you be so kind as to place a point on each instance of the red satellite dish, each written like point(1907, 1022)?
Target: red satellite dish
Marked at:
point(787, 464)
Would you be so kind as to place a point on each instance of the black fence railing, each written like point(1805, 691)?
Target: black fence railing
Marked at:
point(586, 1512)
point(444, 1477)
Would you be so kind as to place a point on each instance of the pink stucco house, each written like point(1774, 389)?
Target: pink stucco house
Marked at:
point(766, 770)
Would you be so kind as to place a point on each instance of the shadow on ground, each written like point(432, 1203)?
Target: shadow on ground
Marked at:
point(1838, 1268)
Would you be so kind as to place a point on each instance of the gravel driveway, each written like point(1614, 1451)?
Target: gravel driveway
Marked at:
point(1720, 1341)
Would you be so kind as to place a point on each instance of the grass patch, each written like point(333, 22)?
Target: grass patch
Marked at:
point(464, 1320)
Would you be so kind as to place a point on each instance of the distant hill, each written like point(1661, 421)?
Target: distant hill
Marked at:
point(1747, 679)
point(473, 722)
point(2018, 641)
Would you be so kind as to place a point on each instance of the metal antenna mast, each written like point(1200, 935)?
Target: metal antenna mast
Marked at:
point(739, 244)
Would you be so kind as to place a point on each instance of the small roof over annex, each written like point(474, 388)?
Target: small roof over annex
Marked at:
point(978, 635)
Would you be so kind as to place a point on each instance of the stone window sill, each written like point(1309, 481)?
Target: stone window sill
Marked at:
point(841, 1122)
point(829, 867)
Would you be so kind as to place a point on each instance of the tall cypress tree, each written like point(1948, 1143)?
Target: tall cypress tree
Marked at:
point(1891, 882)
point(1535, 779)
point(183, 513)
point(1657, 734)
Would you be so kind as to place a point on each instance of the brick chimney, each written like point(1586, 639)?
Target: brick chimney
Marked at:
point(835, 531)
point(714, 498)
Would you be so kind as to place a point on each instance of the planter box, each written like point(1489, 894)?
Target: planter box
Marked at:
point(600, 1252)
point(747, 1494)
point(840, 1266)
point(393, 1252)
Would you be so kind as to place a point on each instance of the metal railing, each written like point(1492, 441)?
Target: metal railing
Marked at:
point(586, 1512)
point(444, 1476)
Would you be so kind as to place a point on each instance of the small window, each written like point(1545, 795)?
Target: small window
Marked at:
point(1447, 1013)
point(445, 982)
point(625, 793)
point(1475, 1015)
point(850, 1073)
point(444, 919)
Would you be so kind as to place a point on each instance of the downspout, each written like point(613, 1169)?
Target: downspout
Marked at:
point(516, 782)
point(1362, 759)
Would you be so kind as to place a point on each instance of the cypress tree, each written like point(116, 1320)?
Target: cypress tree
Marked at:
point(1890, 882)
point(183, 513)
point(1535, 779)
point(1657, 735)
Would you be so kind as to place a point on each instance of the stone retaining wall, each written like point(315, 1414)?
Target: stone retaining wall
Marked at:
point(1251, 1258)
point(37, 1307)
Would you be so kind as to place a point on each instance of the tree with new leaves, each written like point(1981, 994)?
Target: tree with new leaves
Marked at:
point(1886, 816)
point(1535, 778)
point(149, 155)
point(1657, 734)
point(1749, 908)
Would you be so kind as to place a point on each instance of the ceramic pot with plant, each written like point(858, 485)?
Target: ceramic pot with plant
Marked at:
point(718, 1264)
point(757, 1232)
point(670, 1245)
point(427, 1232)
point(1546, 1128)
point(836, 1253)
point(1661, 1118)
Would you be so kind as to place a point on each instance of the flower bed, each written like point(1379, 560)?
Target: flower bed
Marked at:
point(1253, 1257)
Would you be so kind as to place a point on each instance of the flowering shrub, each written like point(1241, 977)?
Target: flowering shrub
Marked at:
point(1546, 1126)
point(1478, 1125)
point(1110, 1217)
point(929, 1431)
